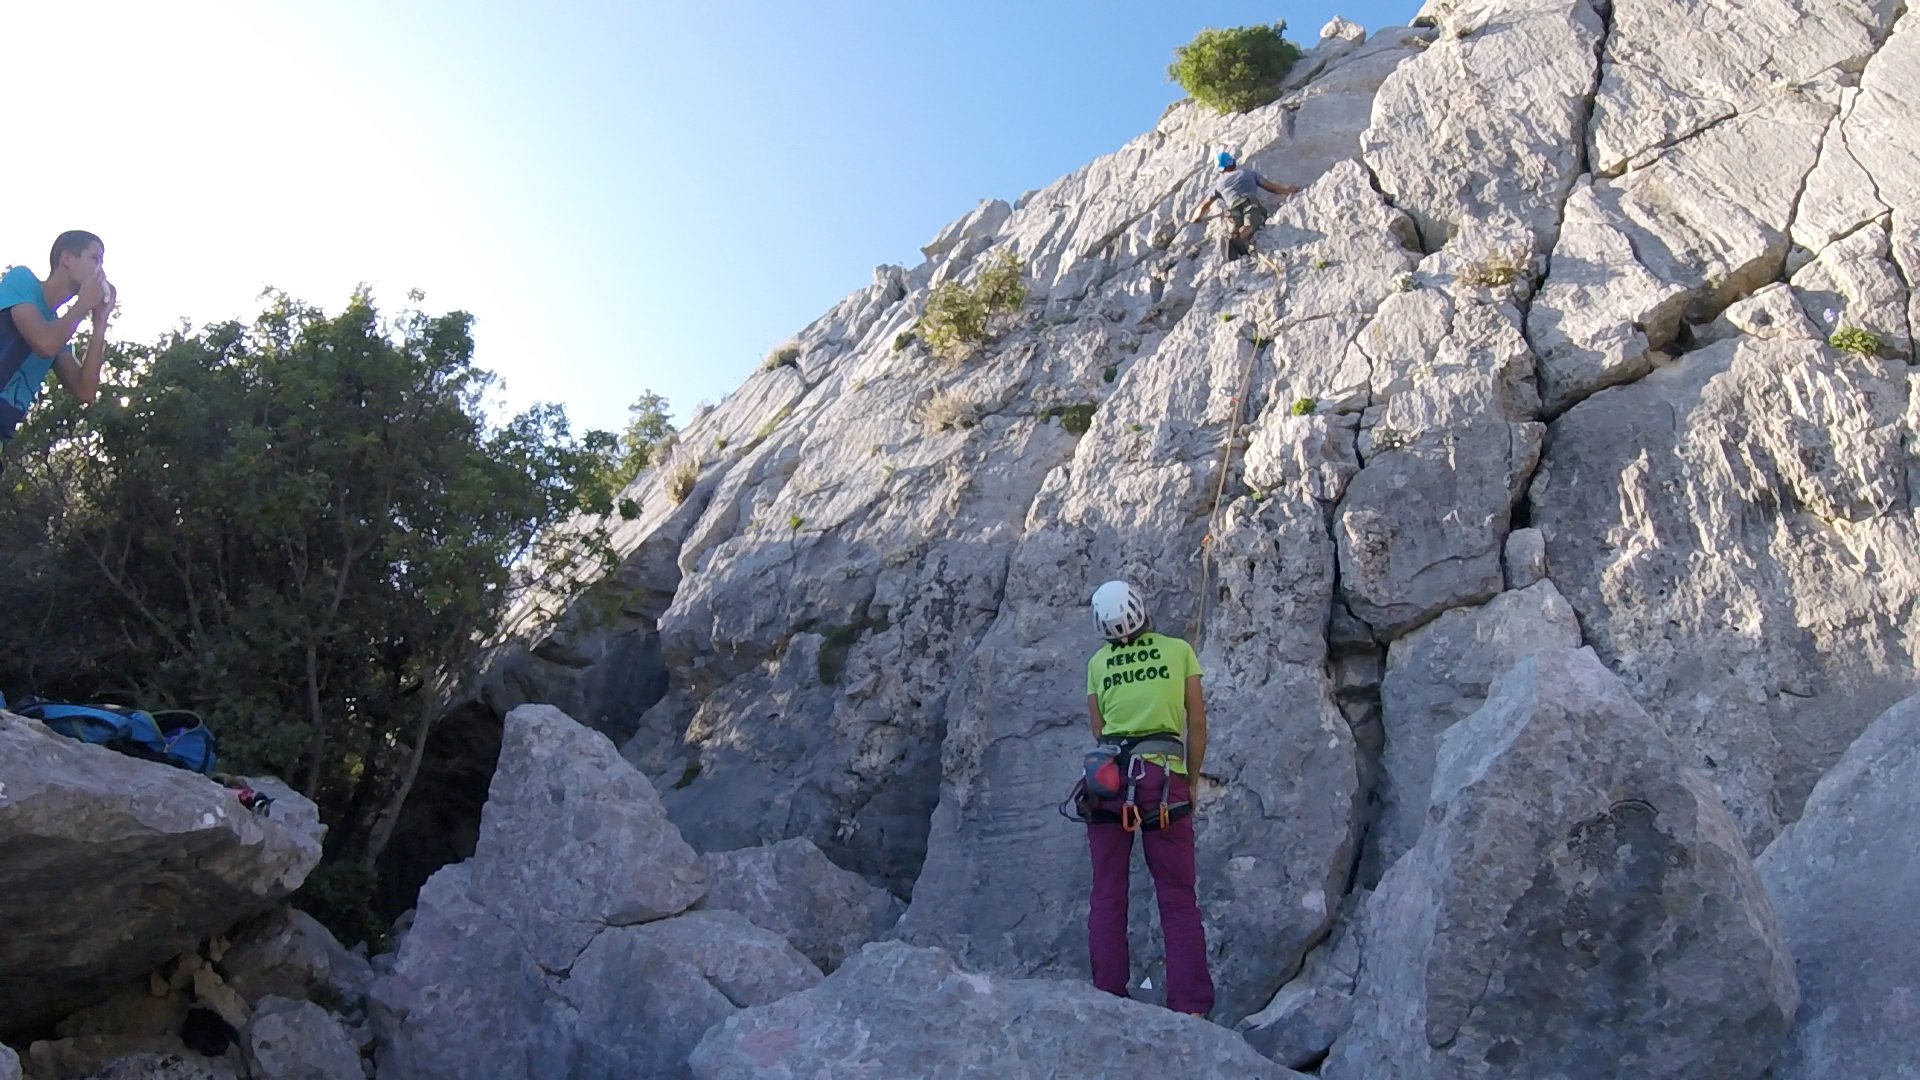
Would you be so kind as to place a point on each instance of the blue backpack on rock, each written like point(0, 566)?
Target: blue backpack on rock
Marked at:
point(172, 736)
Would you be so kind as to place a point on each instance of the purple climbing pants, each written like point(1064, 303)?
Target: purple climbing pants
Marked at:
point(1170, 861)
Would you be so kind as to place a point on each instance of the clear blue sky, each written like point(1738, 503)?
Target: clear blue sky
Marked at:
point(627, 196)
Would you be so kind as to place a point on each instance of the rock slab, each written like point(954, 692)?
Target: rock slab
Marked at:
point(794, 890)
point(897, 1010)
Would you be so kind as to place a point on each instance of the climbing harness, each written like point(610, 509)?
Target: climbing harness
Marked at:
point(1114, 770)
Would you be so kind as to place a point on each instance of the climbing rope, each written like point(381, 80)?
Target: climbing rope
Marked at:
point(1196, 629)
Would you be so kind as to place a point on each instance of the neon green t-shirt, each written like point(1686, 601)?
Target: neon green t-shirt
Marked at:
point(1142, 687)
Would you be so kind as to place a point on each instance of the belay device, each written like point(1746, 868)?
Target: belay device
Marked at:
point(1113, 770)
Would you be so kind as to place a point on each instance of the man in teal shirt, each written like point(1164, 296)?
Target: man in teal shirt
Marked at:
point(35, 340)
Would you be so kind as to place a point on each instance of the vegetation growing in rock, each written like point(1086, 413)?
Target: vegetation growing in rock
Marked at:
point(1076, 419)
point(949, 409)
point(648, 432)
point(1495, 270)
point(1857, 340)
point(787, 355)
point(773, 422)
point(958, 317)
point(1304, 407)
point(1237, 69)
point(682, 473)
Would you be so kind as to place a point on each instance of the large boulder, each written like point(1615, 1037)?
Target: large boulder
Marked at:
point(794, 890)
point(643, 996)
point(287, 953)
point(1439, 675)
point(1846, 885)
point(574, 839)
point(111, 865)
point(553, 952)
point(897, 1010)
point(1579, 903)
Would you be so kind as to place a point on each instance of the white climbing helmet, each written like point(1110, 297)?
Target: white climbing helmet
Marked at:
point(1118, 611)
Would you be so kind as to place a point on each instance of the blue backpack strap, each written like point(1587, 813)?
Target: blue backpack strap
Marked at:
point(87, 723)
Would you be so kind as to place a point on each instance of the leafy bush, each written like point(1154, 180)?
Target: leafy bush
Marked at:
point(958, 317)
point(1075, 418)
point(1856, 340)
point(1304, 407)
point(1234, 70)
point(649, 431)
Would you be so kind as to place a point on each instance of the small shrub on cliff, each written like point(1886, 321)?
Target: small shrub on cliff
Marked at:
point(949, 410)
point(1856, 340)
point(682, 474)
point(1496, 270)
point(958, 317)
point(1234, 70)
point(787, 355)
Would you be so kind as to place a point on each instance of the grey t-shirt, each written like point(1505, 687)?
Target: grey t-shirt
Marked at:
point(1237, 186)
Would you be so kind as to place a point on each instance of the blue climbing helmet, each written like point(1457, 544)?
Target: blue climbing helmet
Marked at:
point(1224, 160)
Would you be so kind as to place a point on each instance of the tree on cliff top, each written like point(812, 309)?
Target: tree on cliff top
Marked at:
point(1234, 70)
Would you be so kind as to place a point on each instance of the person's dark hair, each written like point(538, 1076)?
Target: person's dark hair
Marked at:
point(71, 242)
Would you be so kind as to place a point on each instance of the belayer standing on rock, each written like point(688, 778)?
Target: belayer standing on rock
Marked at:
point(1148, 717)
point(1240, 189)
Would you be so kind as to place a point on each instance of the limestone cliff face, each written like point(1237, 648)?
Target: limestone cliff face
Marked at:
point(1538, 359)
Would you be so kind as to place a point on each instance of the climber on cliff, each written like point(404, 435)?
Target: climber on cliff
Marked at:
point(1144, 700)
point(1240, 189)
point(33, 340)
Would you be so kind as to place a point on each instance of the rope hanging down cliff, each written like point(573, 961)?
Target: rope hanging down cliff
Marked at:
point(1196, 629)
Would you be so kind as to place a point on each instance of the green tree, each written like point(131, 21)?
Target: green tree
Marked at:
point(303, 528)
point(649, 430)
point(1234, 70)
